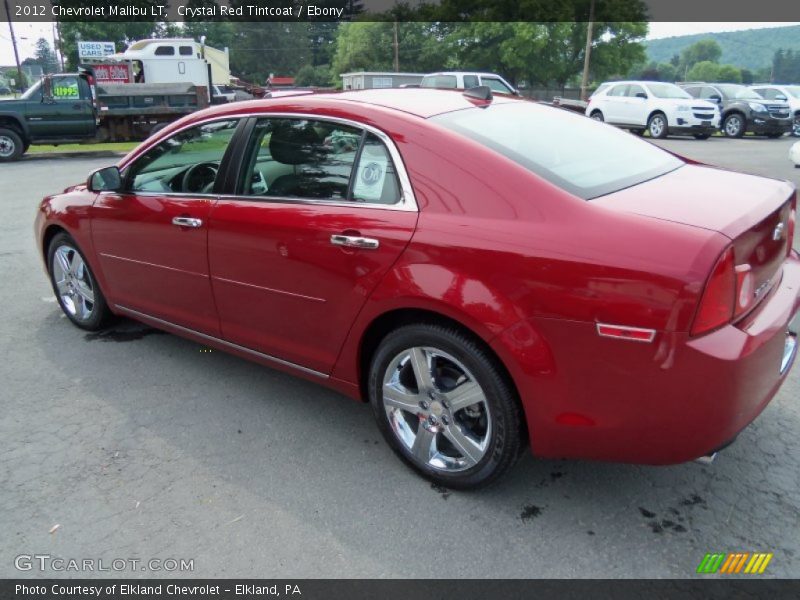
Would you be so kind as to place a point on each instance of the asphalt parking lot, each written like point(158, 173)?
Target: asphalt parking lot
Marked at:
point(141, 445)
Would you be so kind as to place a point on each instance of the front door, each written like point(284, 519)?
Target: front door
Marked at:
point(67, 113)
point(152, 238)
point(320, 215)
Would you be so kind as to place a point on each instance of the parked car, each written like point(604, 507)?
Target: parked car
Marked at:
point(456, 261)
point(5, 90)
point(462, 80)
point(221, 94)
point(743, 109)
point(659, 108)
point(783, 93)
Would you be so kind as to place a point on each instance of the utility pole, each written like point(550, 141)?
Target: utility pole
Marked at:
point(587, 52)
point(14, 43)
point(397, 51)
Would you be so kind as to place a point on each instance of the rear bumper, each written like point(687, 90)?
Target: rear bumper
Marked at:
point(670, 401)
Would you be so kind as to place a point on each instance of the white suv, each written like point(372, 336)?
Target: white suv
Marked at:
point(782, 93)
point(653, 106)
point(462, 80)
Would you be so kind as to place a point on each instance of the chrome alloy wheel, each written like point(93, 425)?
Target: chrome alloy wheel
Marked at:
point(73, 282)
point(7, 146)
point(437, 409)
point(657, 126)
point(732, 126)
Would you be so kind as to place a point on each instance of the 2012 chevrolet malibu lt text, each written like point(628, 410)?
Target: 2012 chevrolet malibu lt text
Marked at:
point(487, 272)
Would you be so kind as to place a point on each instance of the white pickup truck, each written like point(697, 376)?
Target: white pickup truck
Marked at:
point(463, 80)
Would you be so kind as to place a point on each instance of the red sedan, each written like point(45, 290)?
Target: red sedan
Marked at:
point(486, 272)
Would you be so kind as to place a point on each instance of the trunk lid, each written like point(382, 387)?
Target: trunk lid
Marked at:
point(753, 212)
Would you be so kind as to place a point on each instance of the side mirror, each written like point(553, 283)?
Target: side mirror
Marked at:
point(715, 98)
point(108, 179)
point(641, 95)
point(780, 97)
point(47, 89)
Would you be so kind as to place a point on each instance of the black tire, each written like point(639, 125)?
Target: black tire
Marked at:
point(774, 136)
point(658, 126)
point(11, 145)
point(597, 116)
point(702, 136)
point(499, 406)
point(98, 314)
point(734, 125)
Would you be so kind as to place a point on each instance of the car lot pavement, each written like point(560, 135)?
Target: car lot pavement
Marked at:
point(144, 445)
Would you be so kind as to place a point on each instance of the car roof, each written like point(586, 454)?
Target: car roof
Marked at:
point(421, 102)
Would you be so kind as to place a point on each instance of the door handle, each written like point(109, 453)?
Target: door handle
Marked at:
point(187, 222)
point(355, 241)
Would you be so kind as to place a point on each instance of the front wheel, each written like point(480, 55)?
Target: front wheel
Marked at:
point(734, 126)
point(657, 126)
point(11, 145)
point(75, 286)
point(597, 116)
point(444, 406)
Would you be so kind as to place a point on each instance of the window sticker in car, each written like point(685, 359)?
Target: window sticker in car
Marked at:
point(369, 178)
point(66, 89)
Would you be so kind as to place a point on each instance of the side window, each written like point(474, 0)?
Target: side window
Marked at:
point(165, 51)
point(496, 85)
point(471, 81)
point(186, 50)
point(187, 162)
point(707, 91)
point(618, 90)
point(694, 92)
point(66, 88)
point(768, 93)
point(299, 158)
point(635, 89)
point(375, 179)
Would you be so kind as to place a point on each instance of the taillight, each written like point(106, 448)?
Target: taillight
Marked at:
point(719, 298)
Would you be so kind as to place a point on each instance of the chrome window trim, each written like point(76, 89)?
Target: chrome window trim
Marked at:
point(408, 201)
point(140, 315)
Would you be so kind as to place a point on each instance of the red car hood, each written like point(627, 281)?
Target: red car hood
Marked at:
point(701, 196)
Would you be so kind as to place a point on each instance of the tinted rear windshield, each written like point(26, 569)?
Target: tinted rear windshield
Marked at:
point(580, 155)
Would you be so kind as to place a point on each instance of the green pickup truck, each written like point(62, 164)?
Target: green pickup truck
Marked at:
point(57, 110)
point(69, 108)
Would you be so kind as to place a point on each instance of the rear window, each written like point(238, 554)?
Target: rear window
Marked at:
point(439, 81)
point(582, 156)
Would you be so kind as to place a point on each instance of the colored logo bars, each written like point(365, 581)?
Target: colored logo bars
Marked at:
point(735, 562)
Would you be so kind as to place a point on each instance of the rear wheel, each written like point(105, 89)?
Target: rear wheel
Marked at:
point(444, 406)
point(597, 116)
point(75, 286)
point(11, 145)
point(734, 125)
point(657, 126)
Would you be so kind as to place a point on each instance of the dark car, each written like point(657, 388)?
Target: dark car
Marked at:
point(744, 110)
point(457, 262)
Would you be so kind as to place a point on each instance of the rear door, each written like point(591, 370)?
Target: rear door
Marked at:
point(633, 111)
point(321, 211)
point(613, 103)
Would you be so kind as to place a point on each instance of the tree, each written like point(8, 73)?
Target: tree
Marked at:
point(45, 57)
point(713, 72)
point(729, 74)
point(309, 75)
point(707, 50)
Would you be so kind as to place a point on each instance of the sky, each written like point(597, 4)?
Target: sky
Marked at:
point(27, 33)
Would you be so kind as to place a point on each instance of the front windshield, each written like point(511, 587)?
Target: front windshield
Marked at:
point(667, 90)
point(32, 91)
point(580, 155)
point(739, 92)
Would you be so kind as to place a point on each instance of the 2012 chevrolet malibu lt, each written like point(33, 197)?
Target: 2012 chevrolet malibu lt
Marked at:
point(487, 272)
